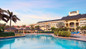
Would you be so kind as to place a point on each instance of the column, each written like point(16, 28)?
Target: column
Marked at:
point(75, 25)
point(68, 25)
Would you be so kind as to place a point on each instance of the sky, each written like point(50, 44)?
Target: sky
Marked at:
point(33, 11)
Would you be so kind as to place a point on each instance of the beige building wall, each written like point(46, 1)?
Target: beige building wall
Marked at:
point(72, 24)
point(82, 22)
point(48, 25)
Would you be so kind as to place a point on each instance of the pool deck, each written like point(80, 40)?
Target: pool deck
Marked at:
point(79, 37)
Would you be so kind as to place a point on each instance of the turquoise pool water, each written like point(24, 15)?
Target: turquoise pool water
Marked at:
point(40, 42)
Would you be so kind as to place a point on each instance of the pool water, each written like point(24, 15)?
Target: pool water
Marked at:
point(40, 42)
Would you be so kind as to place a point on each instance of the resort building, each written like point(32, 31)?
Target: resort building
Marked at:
point(72, 21)
point(47, 25)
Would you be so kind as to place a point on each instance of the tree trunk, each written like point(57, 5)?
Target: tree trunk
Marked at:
point(10, 24)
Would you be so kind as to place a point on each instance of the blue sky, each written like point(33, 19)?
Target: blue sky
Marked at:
point(32, 11)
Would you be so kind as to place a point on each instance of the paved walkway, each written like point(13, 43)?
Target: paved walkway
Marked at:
point(75, 37)
point(80, 37)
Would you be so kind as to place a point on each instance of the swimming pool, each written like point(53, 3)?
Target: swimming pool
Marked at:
point(40, 42)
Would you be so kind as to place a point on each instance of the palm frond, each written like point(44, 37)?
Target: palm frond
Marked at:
point(9, 13)
point(2, 11)
point(5, 18)
point(0, 16)
point(14, 18)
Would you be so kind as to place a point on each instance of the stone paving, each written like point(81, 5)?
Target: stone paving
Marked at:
point(75, 37)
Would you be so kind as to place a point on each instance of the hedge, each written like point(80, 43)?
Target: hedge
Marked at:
point(64, 33)
point(46, 32)
point(4, 34)
point(55, 33)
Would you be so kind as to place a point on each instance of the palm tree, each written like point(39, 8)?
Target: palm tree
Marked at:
point(6, 15)
point(37, 27)
point(18, 26)
point(32, 27)
point(12, 17)
point(23, 26)
point(53, 28)
point(60, 24)
point(3, 16)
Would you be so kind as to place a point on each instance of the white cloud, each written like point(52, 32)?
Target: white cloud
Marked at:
point(28, 19)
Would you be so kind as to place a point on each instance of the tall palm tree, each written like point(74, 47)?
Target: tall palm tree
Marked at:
point(32, 27)
point(60, 24)
point(6, 15)
point(37, 27)
point(3, 16)
point(23, 26)
point(53, 28)
point(12, 17)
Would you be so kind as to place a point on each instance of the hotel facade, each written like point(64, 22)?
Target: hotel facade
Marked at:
point(72, 21)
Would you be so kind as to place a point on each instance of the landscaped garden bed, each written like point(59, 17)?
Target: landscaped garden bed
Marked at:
point(5, 34)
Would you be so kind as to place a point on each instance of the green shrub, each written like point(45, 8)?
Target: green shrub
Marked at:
point(60, 33)
point(4, 34)
point(64, 33)
point(67, 33)
point(53, 28)
point(1, 29)
point(45, 32)
point(55, 33)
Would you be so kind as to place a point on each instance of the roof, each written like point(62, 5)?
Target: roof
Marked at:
point(67, 18)
point(21, 29)
point(74, 17)
point(49, 20)
point(11, 28)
